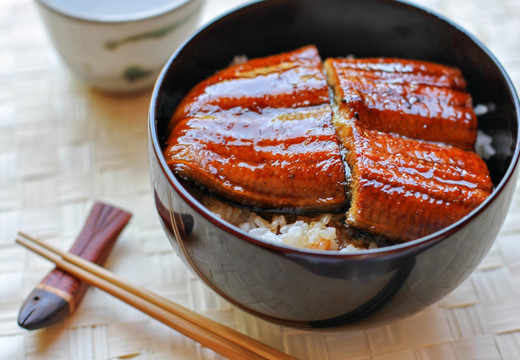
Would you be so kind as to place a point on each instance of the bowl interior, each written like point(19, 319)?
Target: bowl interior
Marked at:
point(347, 27)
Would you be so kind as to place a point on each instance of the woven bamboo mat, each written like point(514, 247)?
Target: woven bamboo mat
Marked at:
point(62, 146)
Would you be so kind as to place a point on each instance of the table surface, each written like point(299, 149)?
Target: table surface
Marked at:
point(64, 145)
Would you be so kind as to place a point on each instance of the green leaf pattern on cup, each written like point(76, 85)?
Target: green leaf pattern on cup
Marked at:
point(153, 34)
point(135, 72)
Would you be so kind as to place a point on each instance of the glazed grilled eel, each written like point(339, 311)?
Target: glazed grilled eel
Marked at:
point(393, 146)
point(415, 99)
point(260, 134)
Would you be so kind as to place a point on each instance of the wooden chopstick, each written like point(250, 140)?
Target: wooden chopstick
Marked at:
point(223, 340)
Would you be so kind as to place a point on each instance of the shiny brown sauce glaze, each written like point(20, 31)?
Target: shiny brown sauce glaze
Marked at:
point(281, 158)
point(262, 134)
point(420, 100)
point(392, 70)
point(419, 187)
point(289, 80)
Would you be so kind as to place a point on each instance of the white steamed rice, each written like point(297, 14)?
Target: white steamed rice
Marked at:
point(317, 233)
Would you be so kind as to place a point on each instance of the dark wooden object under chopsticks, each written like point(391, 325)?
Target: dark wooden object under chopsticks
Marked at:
point(221, 339)
point(59, 293)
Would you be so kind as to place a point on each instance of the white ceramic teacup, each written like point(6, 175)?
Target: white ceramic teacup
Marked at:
point(118, 45)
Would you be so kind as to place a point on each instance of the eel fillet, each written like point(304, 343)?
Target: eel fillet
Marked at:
point(417, 99)
point(260, 134)
point(404, 188)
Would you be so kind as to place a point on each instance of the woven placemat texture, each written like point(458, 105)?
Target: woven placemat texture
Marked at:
point(63, 146)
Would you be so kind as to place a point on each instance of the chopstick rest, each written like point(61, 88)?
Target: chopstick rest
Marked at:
point(59, 293)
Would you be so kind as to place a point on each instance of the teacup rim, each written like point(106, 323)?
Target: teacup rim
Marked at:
point(114, 19)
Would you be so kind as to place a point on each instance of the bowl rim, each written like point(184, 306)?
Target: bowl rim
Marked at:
point(167, 8)
point(420, 243)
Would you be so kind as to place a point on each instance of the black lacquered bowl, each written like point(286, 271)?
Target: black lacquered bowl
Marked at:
point(323, 289)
